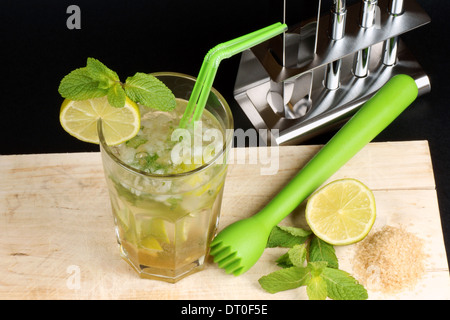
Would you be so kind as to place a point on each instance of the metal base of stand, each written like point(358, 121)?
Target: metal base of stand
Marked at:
point(293, 104)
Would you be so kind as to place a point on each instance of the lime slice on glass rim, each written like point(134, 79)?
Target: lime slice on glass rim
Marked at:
point(79, 119)
point(342, 212)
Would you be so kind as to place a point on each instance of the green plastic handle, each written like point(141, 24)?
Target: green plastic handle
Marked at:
point(372, 118)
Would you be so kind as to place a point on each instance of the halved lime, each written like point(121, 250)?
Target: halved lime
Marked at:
point(342, 212)
point(79, 119)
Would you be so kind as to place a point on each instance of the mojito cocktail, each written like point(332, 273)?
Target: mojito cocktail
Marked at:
point(166, 184)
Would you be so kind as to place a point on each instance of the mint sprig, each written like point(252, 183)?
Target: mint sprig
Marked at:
point(309, 262)
point(97, 80)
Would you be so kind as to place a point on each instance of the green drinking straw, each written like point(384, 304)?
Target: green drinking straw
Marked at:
point(208, 70)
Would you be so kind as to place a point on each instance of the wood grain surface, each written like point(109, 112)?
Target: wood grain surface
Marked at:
point(57, 239)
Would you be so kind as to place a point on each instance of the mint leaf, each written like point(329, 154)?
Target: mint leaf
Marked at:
point(296, 256)
point(286, 237)
point(93, 81)
point(317, 288)
point(284, 261)
point(149, 91)
point(98, 71)
point(316, 268)
point(342, 286)
point(79, 85)
point(284, 279)
point(116, 96)
point(297, 232)
point(320, 250)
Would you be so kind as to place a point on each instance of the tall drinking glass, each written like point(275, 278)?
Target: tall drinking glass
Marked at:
point(164, 222)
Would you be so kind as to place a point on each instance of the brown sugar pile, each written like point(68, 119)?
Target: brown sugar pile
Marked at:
point(389, 260)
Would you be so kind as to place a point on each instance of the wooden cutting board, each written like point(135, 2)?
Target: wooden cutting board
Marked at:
point(57, 239)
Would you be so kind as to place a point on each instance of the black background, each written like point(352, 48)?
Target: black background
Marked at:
point(37, 50)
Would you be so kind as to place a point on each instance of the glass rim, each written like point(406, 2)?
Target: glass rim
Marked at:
point(228, 137)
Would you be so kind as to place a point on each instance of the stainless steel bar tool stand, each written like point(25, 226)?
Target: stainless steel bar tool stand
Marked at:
point(318, 74)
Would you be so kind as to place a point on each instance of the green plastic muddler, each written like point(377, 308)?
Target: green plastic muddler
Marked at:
point(375, 115)
point(239, 246)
